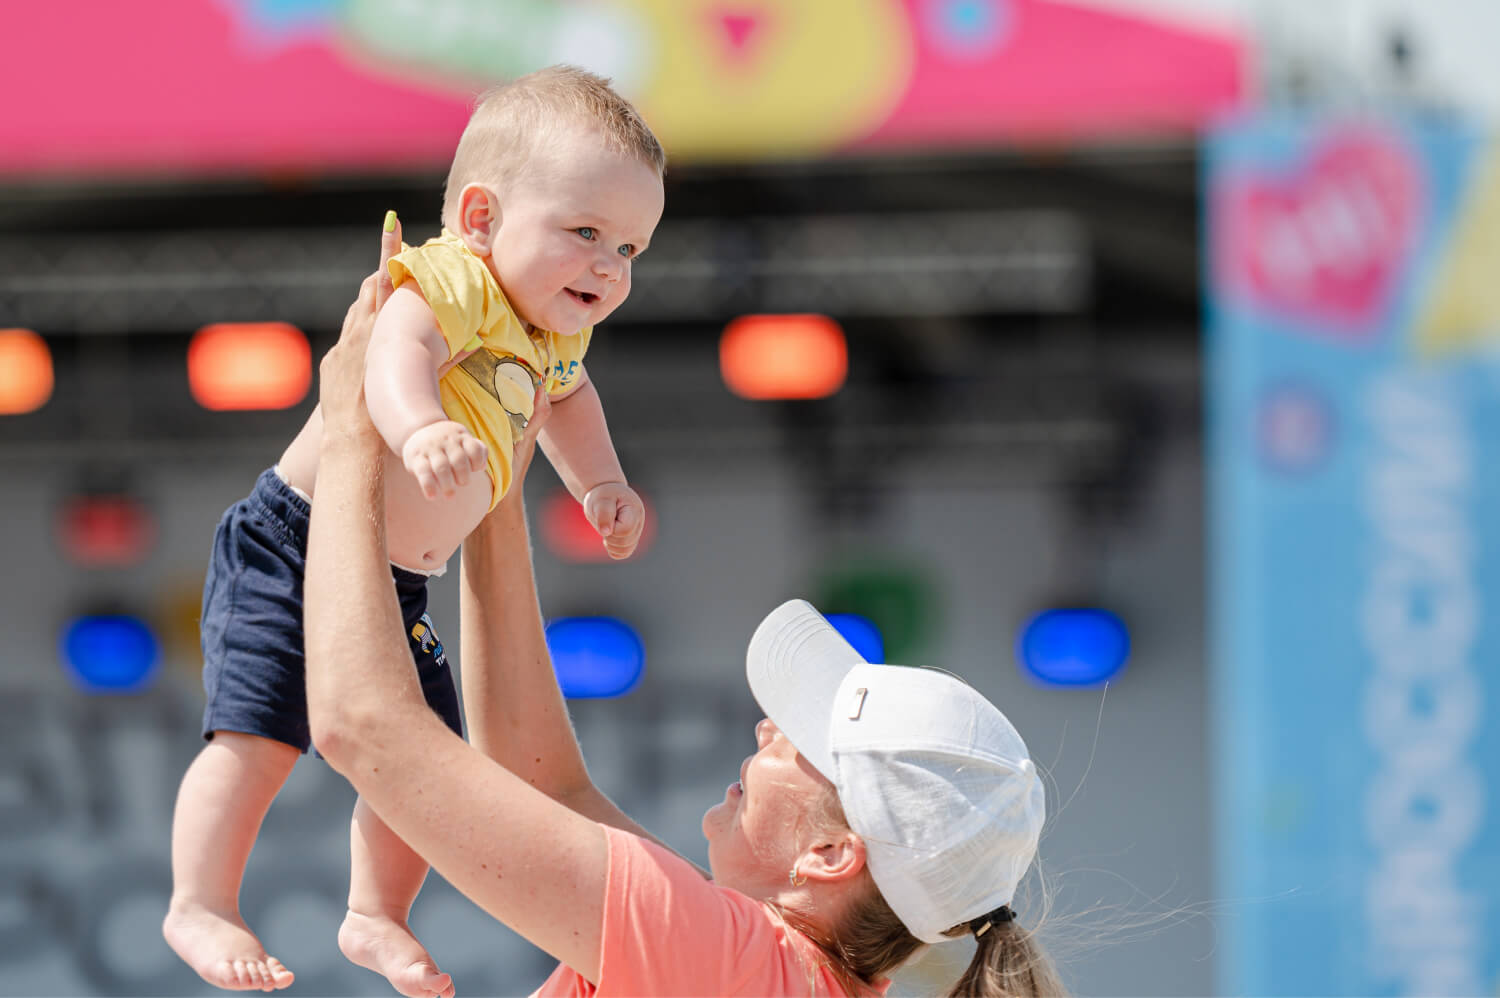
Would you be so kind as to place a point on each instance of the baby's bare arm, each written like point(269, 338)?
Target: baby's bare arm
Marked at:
point(401, 369)
point(407, 355)
point(406, 350)
point(576, 440)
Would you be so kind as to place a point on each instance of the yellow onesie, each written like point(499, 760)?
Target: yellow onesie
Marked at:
point(490, 393)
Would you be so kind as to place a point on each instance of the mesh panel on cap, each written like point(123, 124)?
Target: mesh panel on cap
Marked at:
point(947, 840)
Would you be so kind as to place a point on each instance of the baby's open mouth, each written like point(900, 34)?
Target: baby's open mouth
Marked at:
point(587, 297)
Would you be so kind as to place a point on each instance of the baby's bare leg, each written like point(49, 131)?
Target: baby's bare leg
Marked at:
point(384, 877)
point(222, 801)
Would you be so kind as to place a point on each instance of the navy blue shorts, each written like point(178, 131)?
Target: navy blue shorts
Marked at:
point(252, 622)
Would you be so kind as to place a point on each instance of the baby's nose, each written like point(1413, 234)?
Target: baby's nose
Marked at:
point(609, 265)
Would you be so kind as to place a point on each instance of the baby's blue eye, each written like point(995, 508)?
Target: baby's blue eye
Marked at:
point(627, 250)
point(586, 231)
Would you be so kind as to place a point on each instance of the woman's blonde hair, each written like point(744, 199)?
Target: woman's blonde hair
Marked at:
point(512, 121)
point(869, 942)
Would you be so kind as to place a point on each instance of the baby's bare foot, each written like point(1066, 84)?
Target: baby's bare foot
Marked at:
point(387, 947)
point(223, 951)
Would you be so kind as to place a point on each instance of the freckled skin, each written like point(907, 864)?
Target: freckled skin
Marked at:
point(746, 832)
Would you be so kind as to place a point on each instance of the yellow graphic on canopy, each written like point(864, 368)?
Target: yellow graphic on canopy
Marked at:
point(1462, 311)
point(731, 77)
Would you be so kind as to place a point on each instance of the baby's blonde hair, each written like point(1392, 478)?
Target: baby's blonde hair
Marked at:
point(512, 121)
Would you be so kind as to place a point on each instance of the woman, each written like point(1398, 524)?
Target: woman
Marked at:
point(885, 808)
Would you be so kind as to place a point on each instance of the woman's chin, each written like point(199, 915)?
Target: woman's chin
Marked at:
point(715, 818)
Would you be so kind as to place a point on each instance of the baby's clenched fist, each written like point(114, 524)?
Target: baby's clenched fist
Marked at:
point(441, 456)
point(617, 513)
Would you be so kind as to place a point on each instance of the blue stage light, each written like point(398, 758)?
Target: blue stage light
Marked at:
point(110, 653)
point(595, 657)
point(1082, 646)
point(862, 633)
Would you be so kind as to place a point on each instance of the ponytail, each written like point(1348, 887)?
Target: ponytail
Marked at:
point(870, 942)
point(1008, 963)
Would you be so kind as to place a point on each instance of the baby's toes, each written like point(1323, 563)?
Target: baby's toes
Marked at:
point(280, 976)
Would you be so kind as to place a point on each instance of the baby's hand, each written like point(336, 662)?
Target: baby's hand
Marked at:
point(441, 455)
point(616, 511)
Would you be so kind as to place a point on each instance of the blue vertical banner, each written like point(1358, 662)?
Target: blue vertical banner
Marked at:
point(1353, 289)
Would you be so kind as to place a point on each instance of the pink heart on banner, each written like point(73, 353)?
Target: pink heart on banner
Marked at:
point(1325, 243)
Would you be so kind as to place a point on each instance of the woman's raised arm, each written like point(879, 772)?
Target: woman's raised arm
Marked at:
point(529, 861)
point(512, 703)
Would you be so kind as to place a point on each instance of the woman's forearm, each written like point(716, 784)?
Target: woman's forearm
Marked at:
point(515, 710)
point(350, 606)
point(516, 713)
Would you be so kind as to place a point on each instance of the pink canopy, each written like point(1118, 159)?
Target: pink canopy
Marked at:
point(190, 87)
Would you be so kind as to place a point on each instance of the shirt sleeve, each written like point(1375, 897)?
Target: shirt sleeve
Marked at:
point(667, 931)
point(453, 282)
point(567, 359)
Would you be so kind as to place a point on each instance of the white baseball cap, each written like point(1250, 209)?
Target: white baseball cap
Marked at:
point(931, 776)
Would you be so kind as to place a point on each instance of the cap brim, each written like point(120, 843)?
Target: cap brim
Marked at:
point(795, 664)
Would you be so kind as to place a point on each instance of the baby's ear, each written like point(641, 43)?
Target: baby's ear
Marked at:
point(478, 218)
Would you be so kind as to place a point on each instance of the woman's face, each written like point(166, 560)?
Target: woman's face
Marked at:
point(767, 817)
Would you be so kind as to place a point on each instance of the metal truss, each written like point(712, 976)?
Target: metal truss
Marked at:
point(927, 264)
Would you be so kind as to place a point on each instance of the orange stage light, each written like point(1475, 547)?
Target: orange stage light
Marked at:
point(25, 372)
point(250, 365)
point(783, 356)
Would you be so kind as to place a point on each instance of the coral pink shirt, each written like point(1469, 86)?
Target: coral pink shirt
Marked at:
point(667, 931)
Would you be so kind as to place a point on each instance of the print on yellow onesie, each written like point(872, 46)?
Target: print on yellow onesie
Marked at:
point(486, 394)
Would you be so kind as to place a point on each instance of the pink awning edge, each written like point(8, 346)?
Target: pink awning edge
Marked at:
point(184, 87)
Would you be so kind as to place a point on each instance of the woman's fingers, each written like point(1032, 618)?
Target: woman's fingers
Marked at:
point(541, 409)
point(390, 245)
point(476, 453)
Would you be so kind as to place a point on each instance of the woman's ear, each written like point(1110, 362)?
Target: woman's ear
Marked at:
point(478, 218)
point(839, 857)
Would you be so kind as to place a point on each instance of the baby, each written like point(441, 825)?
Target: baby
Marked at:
point(555, 189)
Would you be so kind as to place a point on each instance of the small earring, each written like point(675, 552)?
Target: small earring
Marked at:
point(792, 876)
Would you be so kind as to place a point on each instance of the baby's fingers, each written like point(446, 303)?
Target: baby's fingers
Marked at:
point(421, 470)
point(628, 521)
point(457, 457)
point(604, 515)
point(442, 470)
point(475, 452)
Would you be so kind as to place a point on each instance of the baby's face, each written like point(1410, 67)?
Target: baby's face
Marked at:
point(570, 230)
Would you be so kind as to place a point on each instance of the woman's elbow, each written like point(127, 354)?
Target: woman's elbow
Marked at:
point(337, 734)
point(332, 706)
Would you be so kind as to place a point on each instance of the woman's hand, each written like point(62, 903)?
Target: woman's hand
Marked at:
point(541, 410)
point(525, 450)
point(341, 391)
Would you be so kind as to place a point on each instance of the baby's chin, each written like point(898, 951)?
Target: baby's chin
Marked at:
point(567, 330)
point(532, 325)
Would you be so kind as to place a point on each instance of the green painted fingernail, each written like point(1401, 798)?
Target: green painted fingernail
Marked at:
point(390, 221)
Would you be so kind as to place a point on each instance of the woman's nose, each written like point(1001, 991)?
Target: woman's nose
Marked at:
point(765, 730)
